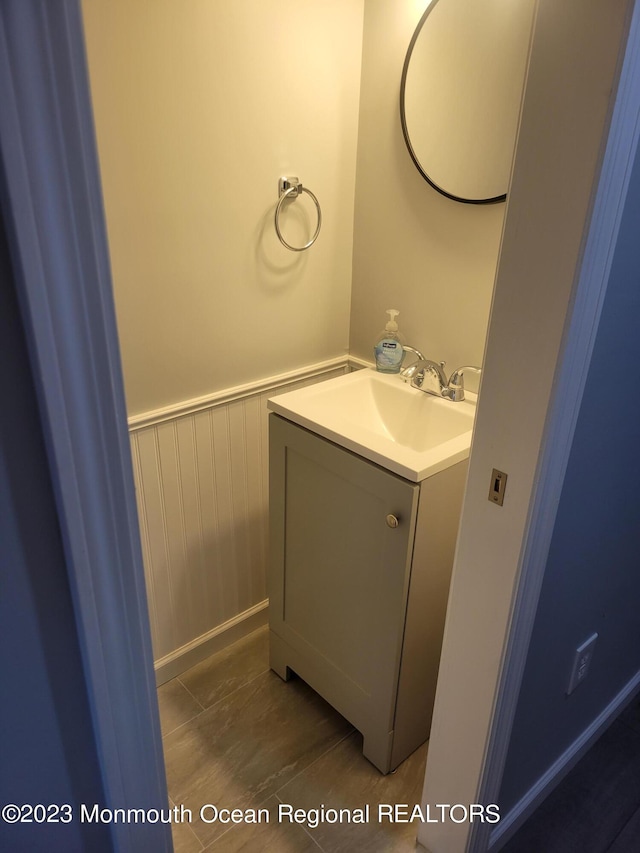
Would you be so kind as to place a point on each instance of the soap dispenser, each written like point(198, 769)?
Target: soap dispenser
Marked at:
point(388, 350)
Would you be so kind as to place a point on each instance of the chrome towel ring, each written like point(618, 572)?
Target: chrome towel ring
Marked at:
point(292, 188)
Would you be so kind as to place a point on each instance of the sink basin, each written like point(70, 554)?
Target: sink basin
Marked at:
point(385, 420)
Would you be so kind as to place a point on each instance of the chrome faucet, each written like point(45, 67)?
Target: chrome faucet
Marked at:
point(407, 373)
point(431, 378)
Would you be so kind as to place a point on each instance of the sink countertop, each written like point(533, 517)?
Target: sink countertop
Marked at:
point(385, 420)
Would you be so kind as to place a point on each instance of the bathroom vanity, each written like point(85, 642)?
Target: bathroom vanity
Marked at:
point(360, 565)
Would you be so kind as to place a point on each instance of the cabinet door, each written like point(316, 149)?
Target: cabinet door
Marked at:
point(339, 572)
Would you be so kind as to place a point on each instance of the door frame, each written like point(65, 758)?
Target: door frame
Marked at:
point(53, 214)
point(577, 143)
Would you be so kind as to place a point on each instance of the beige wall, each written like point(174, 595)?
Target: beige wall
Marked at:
point(431, 258)
point(200, 106)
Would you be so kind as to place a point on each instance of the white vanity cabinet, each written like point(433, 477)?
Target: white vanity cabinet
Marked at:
point(360, 563)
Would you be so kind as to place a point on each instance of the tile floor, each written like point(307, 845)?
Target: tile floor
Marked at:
point(237, 736)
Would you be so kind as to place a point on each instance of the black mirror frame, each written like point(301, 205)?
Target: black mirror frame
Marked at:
point(405, 130)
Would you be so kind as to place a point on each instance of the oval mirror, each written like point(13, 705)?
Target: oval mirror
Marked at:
point(460, 94)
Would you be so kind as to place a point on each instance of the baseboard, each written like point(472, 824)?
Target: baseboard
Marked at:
point(513, 820)
point(213, 641)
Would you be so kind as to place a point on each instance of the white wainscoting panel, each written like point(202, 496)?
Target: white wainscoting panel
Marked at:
point(201, 475)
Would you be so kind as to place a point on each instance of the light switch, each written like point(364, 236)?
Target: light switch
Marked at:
point(498, 485)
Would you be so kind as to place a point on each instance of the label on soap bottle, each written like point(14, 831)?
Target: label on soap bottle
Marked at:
point(388, 355)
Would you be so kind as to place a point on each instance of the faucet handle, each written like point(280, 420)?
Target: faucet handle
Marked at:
point(455, 385)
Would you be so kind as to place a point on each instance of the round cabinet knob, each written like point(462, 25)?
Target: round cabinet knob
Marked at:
point(392, 521)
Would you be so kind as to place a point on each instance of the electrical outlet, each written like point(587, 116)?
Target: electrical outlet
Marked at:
point(581, 663)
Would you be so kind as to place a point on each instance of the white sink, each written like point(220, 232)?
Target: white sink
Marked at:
point(382, 418)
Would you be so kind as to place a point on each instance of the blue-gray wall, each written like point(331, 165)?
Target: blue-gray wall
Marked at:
point(592, 579)
point(47, 748)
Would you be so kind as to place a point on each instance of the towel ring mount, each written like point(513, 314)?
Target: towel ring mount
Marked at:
point(292, 188)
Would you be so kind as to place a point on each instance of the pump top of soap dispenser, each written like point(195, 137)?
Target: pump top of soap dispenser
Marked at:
point(392, 326)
